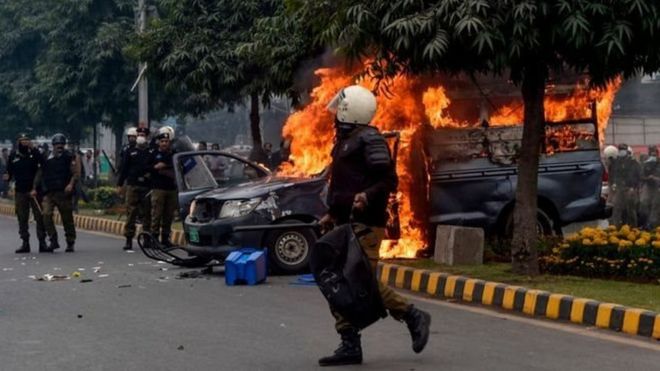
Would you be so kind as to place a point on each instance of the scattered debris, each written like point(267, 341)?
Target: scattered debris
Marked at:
point(130, 264)
point(130, 251)
point(180, 347)
point(124, 286)
point(50, 277)
point(57, 269)
point(103, 275)
point(85, 280)
point(80, 316)
point(76, 274)
point(161, 262)
point(190, 274)
point(96, 269)
point(282, 325)
point(7, 269)
point(163, 269)
point(81, 269)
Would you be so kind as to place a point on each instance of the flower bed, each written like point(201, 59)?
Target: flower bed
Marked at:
point(611, 253)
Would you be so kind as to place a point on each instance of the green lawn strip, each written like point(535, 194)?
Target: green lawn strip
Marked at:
point(92, 212)
point(638, 295)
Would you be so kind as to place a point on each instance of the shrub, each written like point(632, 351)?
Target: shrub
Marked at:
point(105, 197)
point(619, 253)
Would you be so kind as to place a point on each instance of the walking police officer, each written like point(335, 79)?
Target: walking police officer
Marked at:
point(131, 137)
point(60, 173)
point(361, 180)
point(23, 165)
point(135, 174)
point(163, 193)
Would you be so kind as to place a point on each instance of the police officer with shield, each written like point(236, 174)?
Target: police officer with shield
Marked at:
point(60, 173)
point(23, 166)
point(362, 176)
point(135, 177)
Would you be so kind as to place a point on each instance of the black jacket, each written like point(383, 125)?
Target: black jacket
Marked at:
point(361, 162)
point(162, 179)
point(135, 169)
point(22, 167)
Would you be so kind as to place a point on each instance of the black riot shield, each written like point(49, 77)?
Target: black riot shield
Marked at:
point(345, 277)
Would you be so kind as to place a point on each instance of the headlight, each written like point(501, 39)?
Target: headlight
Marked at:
point(193, 205)
point(236, 208)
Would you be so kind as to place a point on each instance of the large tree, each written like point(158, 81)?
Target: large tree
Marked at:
point(525, 41)
point(218, 53)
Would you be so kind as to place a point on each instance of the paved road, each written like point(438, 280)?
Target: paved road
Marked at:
point(140, 317)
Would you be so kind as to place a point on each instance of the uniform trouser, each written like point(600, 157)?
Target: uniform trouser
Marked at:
point(63, 202)
point(24, 202)
point(163, 206)
point(624, 208)
point(395, 304)
point(654, 212)
point(137, 204)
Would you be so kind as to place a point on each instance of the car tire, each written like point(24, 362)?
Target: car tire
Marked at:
point(289, 250)
point(546, 225)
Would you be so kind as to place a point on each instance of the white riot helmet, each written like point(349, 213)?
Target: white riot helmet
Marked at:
point(610, 152)
point(131, 132)
point(354, 105)
point(166, 130)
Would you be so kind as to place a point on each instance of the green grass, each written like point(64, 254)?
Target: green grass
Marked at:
point(638, 295)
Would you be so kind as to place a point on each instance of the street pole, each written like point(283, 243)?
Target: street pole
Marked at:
point(143, 87)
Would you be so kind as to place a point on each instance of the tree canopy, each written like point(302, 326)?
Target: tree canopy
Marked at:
point(219, 52)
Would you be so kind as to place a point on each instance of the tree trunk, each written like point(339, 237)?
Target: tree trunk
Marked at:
point(525, 234)
point(255, 130)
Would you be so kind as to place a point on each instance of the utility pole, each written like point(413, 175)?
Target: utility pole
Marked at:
point(143, 87)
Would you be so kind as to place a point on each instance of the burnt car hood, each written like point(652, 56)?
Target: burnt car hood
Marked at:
point(257, 188)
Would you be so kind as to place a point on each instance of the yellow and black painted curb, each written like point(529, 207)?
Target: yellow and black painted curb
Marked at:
point(445, 286)
point(92, 223)
point(520, 299)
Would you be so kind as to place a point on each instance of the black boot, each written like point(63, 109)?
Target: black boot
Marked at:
point(43, 246)
point(418, 323)
point(69, 247)
point(348, 353)
point(129, 244)
point(165, 241)
point(54, 245)
point(25, 248)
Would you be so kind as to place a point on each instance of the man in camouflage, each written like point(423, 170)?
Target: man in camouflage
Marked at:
point(23, 166)
point(625, 178)
point(60, 173)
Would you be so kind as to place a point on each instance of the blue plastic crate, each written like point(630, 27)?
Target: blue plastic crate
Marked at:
point(246, 266)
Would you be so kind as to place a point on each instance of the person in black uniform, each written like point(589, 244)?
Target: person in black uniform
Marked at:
point(60, 173)
point(163, 194)
point(135, 176)
point(362, 177)
point(131, 137)
point(23, 166)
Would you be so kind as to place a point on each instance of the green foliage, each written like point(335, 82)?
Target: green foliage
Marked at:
point(604, 38)
point(621, 253)
point(104, 197)
point(217, 52)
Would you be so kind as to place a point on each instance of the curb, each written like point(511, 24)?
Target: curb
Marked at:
point(535, 303)
point(92, 223)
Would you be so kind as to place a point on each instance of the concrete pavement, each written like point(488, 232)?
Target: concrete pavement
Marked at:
point(140, 317)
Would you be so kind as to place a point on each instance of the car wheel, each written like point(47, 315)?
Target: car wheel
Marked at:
point(545, 225)
point(289, 249)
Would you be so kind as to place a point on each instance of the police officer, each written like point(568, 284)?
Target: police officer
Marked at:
point(649, 200)
point(23, 165)
point(362, 178)
point(60, 173)
point(131, 137)
point(163, 193)
point(135, 175)
point(625, 178)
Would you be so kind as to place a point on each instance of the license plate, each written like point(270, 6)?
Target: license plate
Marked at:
point(193, 235)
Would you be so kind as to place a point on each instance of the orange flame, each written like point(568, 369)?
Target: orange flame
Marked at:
point(408, 103)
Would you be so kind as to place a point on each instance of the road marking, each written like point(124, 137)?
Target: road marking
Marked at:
point(540, 322)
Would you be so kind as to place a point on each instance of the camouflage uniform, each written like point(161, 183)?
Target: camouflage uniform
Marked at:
point(625, 177)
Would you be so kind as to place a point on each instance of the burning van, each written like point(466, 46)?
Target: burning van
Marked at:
point(473, 176)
